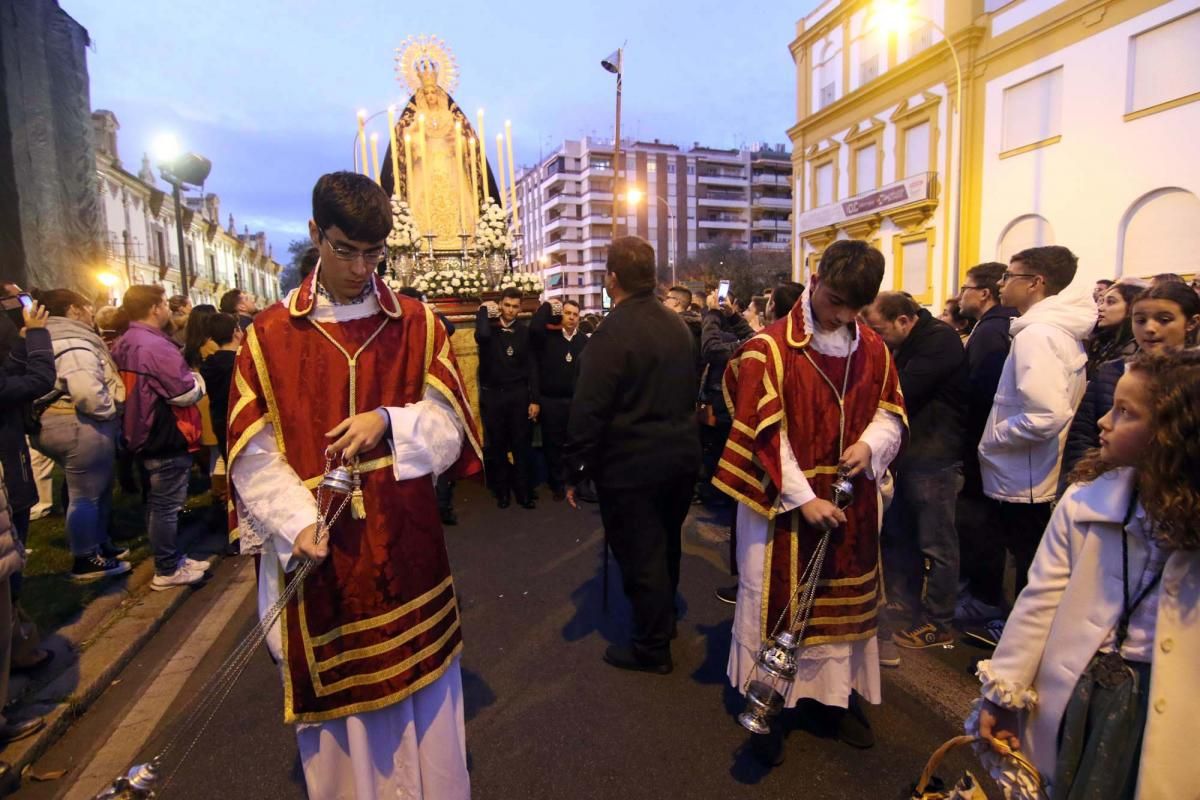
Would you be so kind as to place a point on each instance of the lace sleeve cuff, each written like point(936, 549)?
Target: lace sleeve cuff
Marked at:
point(1005, 693)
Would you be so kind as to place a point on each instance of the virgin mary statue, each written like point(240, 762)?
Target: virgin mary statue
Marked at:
point(441, 185)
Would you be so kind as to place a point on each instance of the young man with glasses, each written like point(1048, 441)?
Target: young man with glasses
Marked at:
point(982, 554)
point(346, 373)
point(1040, 386)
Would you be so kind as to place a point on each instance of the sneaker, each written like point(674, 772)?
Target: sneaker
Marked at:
point(194, 565)
point(728, 594)
point(972, 609)
point(182, 576)
point(110, 550)
point(889, 654)
point(94, 567)
point(922, 635)
point(988, 634)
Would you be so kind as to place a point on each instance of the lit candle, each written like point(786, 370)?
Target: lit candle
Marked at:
point(487, 191)
point(362, 137)
point(375, 156)
point(500, 171)
point(458, 177)
point(395, 154)
point(409, 189)
point(423, 136)
point(474, 181)
point(512, 177)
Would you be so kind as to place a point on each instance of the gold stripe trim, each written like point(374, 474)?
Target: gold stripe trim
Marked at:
point(848, 601)
point(738, 471)
point(468, 428)
point(244, 439)
point(754, 505)
point(246, 395)
point(794, 578)
point(848, 637)
point(390, 644)
point(755, 355)
point(352, 360)
point(373, 622)
point(737, 448)
point(743, 428)
point(394, 670)
point(372, 705)
point(264, 380)
point(843, 620)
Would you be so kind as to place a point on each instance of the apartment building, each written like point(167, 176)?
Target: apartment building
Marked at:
point(681, 201)
point(1066, 133)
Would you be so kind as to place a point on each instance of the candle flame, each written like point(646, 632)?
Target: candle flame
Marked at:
point(374, 137)
point(362, 113)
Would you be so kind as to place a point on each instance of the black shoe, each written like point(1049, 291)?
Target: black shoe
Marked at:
point(988, 634)
point(768, 747)
point(15, 731)
point(110, 550)
point(625, 658)
point(853, 727)
point(449, 517)
point(528, 505)
point(95, 567)
point(502, 502)
point(728, 594)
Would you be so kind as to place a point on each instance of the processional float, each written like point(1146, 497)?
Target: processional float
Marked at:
point(454, 235)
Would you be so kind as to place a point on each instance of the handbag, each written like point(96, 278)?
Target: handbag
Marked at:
point(930, 787)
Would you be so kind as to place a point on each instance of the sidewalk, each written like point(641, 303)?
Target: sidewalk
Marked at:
point(90, 650)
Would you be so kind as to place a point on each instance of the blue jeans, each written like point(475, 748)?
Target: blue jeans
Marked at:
point(168, 492)
point(86, 450)
point(920, 542)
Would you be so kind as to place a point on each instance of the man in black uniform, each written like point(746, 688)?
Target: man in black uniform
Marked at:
point(633, 430)
point(557, 344)
point(508, 394)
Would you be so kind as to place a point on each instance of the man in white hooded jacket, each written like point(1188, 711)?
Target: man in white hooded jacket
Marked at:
point(1043, 380)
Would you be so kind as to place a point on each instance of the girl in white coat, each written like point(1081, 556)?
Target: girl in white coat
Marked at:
point(1094, 678)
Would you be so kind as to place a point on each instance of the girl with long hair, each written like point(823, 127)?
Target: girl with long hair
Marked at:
point(1093, 679)
point(1113, 336)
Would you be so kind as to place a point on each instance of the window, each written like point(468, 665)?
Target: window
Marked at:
point(1030, 230)
point(868, 70)
point(919, 39)
point(1033, 110)
point(913, 256)
point(828, 95)
point(916, 149)
point(865, 169)
point(1164, 63)
point(1161, 234)
point(823, 184)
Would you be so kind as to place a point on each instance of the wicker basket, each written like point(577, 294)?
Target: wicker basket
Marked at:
point(967, 787)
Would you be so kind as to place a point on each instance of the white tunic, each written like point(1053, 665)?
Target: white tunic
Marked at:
point(412, 749)
point(827, 672)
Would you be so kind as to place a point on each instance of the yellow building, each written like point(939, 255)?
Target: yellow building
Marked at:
point(1067, 108)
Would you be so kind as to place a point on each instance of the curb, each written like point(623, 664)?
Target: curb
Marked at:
point(114, 632)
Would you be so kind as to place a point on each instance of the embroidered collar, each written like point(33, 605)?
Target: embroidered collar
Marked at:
point(367, 290)
point(302, 300)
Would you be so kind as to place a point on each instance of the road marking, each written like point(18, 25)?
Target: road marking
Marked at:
point(136, 727)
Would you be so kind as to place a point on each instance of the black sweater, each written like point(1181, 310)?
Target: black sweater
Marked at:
point(933, 376)
point(987, 350)
point(556, 357)
point(633, 421)
point(505, 355)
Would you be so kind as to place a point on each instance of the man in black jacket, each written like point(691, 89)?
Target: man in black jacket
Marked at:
point(508, 394)
point(987, 348)
point(557, 346)
point(633, 430)
point(933, 376)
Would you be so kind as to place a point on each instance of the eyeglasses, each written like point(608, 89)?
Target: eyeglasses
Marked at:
point(349, 254)
point(1008, 276)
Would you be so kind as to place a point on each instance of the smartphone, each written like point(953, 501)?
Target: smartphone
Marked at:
point(14, 306)
point(722, 292)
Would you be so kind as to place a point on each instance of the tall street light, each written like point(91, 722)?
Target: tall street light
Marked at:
point(614, 65)
point(635, 196)
point(178, 168)
point(893, 16)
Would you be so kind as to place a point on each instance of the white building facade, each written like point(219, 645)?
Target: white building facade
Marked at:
point(141, 242)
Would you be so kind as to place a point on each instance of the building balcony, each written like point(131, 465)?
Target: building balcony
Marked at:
point(772, 225)
point(597, 219)
point(723, 200)
point(563, 246)
point(772, 245)
point(722, 224)
point(562, 198)
point(561, 224)
point(772, 201)
point(771, 179)
point(720, 179)
point(739, 243)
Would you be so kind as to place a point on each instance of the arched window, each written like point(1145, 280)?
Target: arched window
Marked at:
point(1029, 230)
point(827, 72)
point(1160, 233)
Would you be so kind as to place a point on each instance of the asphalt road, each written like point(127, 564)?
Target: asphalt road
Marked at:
point(545, 717)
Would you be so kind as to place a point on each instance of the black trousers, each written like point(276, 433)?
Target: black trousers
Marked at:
point(553, 419)
point(981, 547)
point(506, 429)
point(1022, 526)
point(643, 529)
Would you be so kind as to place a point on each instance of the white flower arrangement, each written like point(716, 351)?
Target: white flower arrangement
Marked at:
point(451, 283)
point(527, 282)
point(491, 232)
point(404, 238)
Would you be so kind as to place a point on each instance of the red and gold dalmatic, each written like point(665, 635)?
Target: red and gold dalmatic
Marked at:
point(378, 619)
point(781, 389)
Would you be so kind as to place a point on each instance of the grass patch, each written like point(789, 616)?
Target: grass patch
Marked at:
point(49, 595)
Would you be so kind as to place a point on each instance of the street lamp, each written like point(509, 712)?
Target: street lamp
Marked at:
point(635, 196)
point(893, 16)
point(614, 65)
point(178, 168)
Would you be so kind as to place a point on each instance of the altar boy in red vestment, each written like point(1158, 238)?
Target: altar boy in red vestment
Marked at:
point(811, 392)
point(369, 646)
